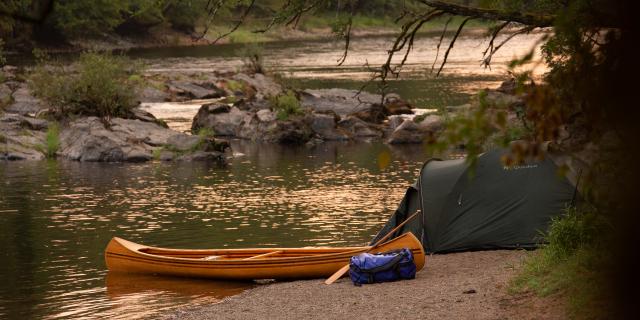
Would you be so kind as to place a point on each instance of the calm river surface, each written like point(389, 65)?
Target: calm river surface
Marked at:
point(56, 217)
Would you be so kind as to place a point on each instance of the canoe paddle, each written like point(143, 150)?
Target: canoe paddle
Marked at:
point(344, 269)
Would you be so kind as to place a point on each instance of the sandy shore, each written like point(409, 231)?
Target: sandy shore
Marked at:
point(470, 285)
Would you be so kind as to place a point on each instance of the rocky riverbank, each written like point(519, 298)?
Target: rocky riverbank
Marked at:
point(236, 105)
point(27, 133)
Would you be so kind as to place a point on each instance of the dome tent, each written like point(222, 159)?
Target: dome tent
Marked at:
point(489, 206)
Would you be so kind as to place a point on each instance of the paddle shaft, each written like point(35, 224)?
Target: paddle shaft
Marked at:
point(344, 269)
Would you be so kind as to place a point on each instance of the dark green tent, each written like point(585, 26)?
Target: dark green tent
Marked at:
point(492, 207)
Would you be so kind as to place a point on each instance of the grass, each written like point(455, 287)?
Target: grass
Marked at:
point(570, 264)
point(52, 141)
point(157, 153)
point(286, 105)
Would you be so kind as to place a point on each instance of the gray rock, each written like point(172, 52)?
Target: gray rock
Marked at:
point(432, 123)
point(149, 133)
point(265, 115)
point(166, 155)
point(264, 86)
point(127, 140)
point(341, 101)
point(407, 132)
point(358, 128)
point(292, 131)
point(145, 116)
point(193, 91)
point(183, 142)
point(411, 132)
point(18, 141)
point(376, 113)
point(5, 96)
point(217, 107)
point(324, 126)
point(24, 103)
point(222, 124)
point(151, 94)
point(34, 123)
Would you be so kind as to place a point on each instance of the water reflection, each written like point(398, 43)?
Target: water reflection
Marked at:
point(57, 217)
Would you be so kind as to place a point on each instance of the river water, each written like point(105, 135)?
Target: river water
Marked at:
point(56, 217)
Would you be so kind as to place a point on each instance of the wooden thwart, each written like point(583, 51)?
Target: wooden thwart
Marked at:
point(264, 255)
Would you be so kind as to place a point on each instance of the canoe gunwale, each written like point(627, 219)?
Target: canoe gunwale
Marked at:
point(139, 251)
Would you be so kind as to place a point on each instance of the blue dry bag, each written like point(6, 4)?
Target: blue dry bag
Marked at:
point(382, 267)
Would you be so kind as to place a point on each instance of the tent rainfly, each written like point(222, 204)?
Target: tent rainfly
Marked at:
point(488, 207)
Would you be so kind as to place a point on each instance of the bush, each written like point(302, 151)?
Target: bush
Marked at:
point(286, 105)
point(570, 262)
point(100, 85)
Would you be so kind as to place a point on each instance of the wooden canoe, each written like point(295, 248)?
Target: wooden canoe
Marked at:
point(244, 264)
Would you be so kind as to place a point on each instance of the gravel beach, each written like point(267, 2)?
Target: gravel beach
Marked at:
point(470, 285)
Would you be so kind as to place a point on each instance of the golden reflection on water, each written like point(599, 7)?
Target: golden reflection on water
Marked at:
point(57, 218)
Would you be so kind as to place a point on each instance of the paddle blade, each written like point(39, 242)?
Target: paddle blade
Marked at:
point(337, 275)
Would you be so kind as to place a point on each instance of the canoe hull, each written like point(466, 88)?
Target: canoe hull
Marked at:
point(291, 263)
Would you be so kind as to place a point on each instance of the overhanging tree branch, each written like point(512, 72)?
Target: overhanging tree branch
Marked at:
point(530, 19)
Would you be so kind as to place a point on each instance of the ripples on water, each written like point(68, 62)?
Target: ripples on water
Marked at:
point(57, 217)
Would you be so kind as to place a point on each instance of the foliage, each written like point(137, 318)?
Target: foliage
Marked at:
point(184, 15)
point(82, 18)
point(100, 85)
point(572, 261)
point(286, 105)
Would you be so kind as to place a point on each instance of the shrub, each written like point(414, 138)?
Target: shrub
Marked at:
point(286, 105)
point(570, 261)
point(100, 85)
